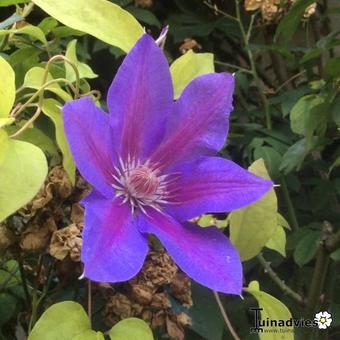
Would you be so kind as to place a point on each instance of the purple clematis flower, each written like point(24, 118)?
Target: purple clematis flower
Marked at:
point(153, 165)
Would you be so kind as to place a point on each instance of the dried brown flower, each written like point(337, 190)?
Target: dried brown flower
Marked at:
point(159, 269)
point(67, 241)
point(38, 233)
point(181, 289)
point(189, 44)
point(7, 237)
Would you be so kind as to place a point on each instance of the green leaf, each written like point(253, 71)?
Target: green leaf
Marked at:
point(34, 78)
point(271, 158)
point(253, 226)
point(6, 121)
point(281, 221)
point(131, 329)
point(100, 18)
point(23, 169)
point(84, 70)
point(38, 138)
point(204, 313)
point(335, 255)
point(273, 309)
point(51, 108)
point(189, 66)
point(301, 113)
point(8, 307)
point(290, 22)
point(144, 16)
point(7, 88)
point(307, 247)
point(278, 241)
point(9, 274)
point(332, 69)
point(65, 320)
point(33, 31)
point(295, 155)
point(4, 3)
point(209, 220)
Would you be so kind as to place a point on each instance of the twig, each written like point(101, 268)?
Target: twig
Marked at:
point(217, 10)
point(289, 80)
point(286, 289)
point(89, 300)
point(253, 67)
point(291, 211)
point(225, 317)
point(244, 70)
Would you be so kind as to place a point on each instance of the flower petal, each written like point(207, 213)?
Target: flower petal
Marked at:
point(199, 123)
point(140, 99)
point(214, 184)
point(88, 133)
point(113, 249)
point(205, 254)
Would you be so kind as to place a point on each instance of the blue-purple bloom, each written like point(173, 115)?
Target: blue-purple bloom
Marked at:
point(152, 162)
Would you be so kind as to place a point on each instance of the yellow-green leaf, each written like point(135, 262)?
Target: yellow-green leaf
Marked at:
point(23, 169)
point(278, 241)
point(100, 18)
point(189, 66)
point(33, 31)
point(131, 329)
point(282, 221)
point(7, 88)
point(273, 309)
point(34, 78)
point(65, 320)
point(208, 220)
point(6, 121)
point(252, 227)
point(84, 70)
point(51, 108)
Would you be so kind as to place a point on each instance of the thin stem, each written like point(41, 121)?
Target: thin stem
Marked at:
point(286, 289)
point(318, 280)
point(289, 80)
point(217, 10)
point(89, 300)
point(244, 70)
point(253, 66)
point(225, 317)
point(28, 123)
point(23, 280)
point(63, 58)
point(291, 211)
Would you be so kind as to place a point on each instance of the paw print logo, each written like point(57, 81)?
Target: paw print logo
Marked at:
point(323, 319)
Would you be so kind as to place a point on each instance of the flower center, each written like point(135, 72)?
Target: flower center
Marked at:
point(142, 184)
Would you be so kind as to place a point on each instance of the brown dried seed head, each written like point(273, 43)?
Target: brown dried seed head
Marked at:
point(189, 44)
point(38, 233)
point(181, 289)
point(67, 241)
point(142, 294)
point(7, 237)
point(159, 269)
point(62, 184)
point(252, 5)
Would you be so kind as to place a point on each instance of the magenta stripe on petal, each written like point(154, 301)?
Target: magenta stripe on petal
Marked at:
point(113, 249)
point(214, 184)
point(88, 133)
point(199, 123)
point(205, 254)
point(140, 99)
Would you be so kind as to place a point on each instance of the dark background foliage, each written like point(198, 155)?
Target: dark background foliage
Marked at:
point(285, 57)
